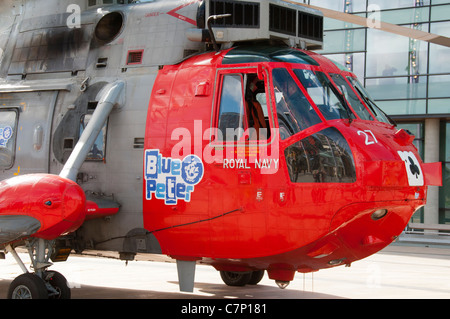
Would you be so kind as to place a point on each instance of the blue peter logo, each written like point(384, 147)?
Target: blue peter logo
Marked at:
point(171, 178)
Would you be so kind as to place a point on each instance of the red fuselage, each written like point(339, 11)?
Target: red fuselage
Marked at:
point(331, 181)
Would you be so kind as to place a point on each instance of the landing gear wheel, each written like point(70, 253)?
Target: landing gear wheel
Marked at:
point(59, 283)
point(231, 278)
point(257, 275)
point(27, 286)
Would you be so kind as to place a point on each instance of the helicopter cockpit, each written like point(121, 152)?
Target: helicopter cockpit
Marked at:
point(304, 96)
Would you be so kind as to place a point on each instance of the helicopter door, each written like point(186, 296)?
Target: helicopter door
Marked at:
point(243, 123)
point(25, 125)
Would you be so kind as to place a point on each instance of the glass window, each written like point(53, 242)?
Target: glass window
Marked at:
point(438, 86)
point(351, 97)
point(324, 157)
point(386, 53)
point(403, 107)
point(397, 88)
point(231, 114)
point(332, 24)
point(393, 4)
point(343, 41)
point(263, 53)
point(354, 62)
point(438, 53)
point(342, 6)
point(413, 15)
point(97, 152)
point(256, 108)
point(294, 111)
point(438, 106)
point(444, 191)
point(395, 55)
point(440, 13)
point(243, 114)
point(324, 95)
point(8, 122)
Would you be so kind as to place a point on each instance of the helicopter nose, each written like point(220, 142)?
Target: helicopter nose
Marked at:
point(365, 228)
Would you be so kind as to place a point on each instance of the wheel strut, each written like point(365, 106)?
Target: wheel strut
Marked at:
point(11, 250)
point(41, 284)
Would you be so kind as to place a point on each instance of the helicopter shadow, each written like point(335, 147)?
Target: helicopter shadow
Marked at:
point(201, 291)
point(260, 291)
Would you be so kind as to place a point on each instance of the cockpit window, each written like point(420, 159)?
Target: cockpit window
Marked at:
point(379, 114)
point(8, 121)
point(231, 116)
point(351, 97)
point(324, 94)
point(294, 111)
point(324, 157)
point(243, 113)
point(254, 54)
point(256, 108)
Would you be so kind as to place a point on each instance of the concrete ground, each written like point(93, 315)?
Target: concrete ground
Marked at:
point(399, 271)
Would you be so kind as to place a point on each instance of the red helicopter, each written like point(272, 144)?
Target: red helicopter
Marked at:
point(331, 182)
point(258, 156)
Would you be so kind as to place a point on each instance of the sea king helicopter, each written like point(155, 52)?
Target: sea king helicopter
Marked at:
point(204, 130)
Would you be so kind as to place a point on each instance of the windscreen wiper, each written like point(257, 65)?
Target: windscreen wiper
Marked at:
point(372, 104)
point(343, 102)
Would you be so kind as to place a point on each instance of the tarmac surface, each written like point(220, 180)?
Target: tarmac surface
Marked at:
point(397, 272)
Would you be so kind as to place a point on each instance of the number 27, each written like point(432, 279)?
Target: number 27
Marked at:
point(370, 137)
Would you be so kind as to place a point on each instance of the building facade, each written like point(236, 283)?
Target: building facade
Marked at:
point(409, 79)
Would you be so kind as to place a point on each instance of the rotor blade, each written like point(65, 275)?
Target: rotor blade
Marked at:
point(384, 26)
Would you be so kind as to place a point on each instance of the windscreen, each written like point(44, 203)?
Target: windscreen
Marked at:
point(324, 94)
point(351, 97)
point(379, 114)
point(294, 111)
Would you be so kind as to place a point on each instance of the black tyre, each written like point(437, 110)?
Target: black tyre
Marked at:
point(27, 286)
point(59, 282)
point(232, 278)
point(257, 275)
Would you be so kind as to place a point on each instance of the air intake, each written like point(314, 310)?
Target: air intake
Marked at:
point(255, 20)
point(282, 20)
point(243, 14)
point(135, 57)
point(310, 26)
point(285, 20)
